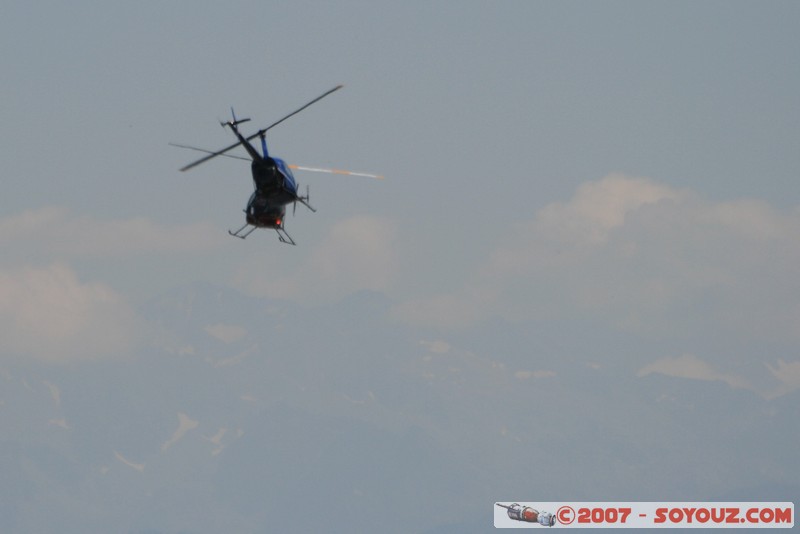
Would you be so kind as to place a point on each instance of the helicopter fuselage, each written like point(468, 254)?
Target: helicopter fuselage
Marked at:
point(275, 187)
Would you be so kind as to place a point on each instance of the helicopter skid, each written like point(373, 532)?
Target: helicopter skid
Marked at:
point(238, 233)
point(284, 237)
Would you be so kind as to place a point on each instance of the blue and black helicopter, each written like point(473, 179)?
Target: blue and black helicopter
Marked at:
point(275, 185)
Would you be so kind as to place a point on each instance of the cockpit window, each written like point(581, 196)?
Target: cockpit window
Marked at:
point(286, 171)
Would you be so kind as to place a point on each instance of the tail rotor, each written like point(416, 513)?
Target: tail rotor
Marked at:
point(234, 122)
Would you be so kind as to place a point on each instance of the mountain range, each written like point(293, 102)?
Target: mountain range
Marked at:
point(246, 414)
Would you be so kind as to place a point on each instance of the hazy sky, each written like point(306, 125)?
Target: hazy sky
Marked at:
point(508, 133)
point(630, 167)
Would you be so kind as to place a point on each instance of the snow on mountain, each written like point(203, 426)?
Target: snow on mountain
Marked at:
point(249, 414)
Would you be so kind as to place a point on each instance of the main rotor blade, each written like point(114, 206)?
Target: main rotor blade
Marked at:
point(336, 171)
point(258, 133)
point(210, 155)
point(295, 112)
point(208, 151)
point(294, 167)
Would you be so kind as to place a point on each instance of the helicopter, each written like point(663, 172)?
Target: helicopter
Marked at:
point(274, 182)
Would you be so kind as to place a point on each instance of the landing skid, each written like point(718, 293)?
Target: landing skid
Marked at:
point(304, 202)
point(238, 233)
point(283, 235)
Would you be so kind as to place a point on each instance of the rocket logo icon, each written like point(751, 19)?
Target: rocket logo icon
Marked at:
point(528, 515)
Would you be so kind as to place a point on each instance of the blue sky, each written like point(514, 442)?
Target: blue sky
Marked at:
point(621, 174)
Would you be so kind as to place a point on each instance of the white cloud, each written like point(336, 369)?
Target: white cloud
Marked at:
point(689, 366)
point(61, 423)
point(185, 424)
point(447, 310)
point(788, 374)
point(599, 207)
point(132, 465)
point(55, 393)
point(641, 256)
point(226, 333)
point(541, 373)
point(436, 347)
point(238, 358)
point(216, 439)
point(47, 314)
point(357, 253)
point(56, 231)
